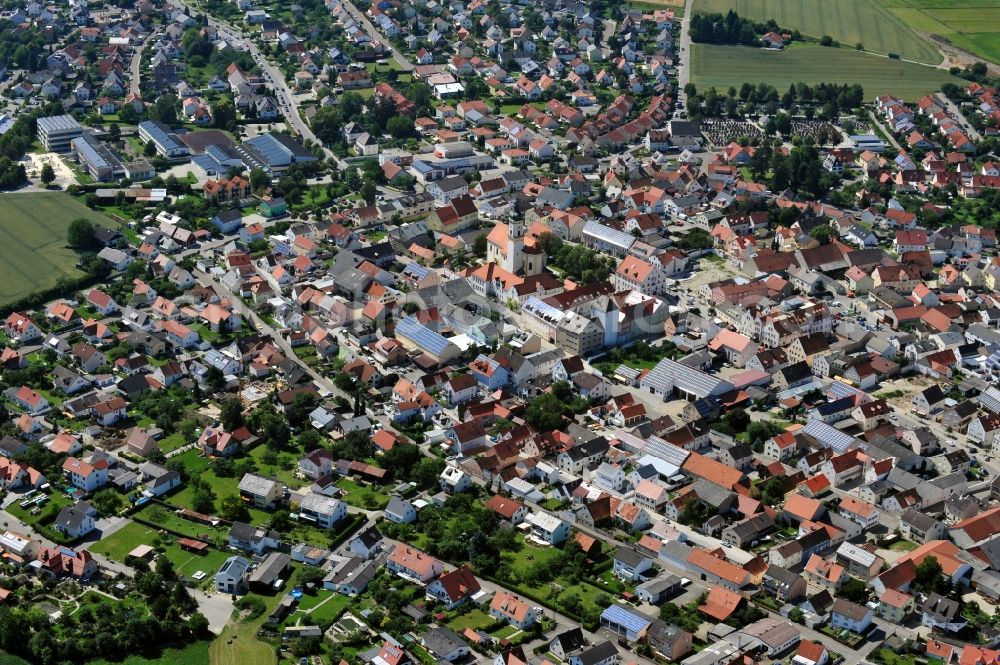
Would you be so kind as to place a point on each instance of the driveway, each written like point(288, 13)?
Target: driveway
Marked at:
point(109, 525)
point(217, 608)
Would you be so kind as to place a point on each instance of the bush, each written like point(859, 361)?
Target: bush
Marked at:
point(894, 56)
point(252, 605)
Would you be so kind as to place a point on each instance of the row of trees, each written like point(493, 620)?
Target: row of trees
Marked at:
point(825, 101)
point(729, 28)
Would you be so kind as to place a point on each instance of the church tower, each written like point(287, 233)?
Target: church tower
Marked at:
point(514, 261)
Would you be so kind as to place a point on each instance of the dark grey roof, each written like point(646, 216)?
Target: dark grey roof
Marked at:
point(597, 653)
point(442, 641)
point(570, 640)
point(629, 556)
point(917, 519)
point(369, 537)
point(941, 608)
point(273, 566)
point(784, 577)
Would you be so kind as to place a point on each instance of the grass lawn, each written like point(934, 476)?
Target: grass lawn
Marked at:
point(512, 109)
point(973, 25)
point(284, 470)
point(33, 250)
point(238, 645)
point(194, 462)
point(847, 21)
point(329, 609)
point(121, 542)
point(172, 442)
point(903, 546)
point(725, 66)
point(362, 496)
point(192, 654)
point(222, 487)
point(390, 66)
point(506, 632)
point(528, 555)
point(164, 517)
point(890, 657)
point(474, 619)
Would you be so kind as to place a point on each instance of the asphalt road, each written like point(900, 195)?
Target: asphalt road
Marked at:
point(684, 53)
point(133, 68)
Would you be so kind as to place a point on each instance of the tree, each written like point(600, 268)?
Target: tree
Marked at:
point(479, 245)
point(310, 440)
point(224, 467)
point(164, 109)
point(48, 175)
point(231, 413)
point(822, 233)
point(107, 502)
point(224, 115)
point(368, 192)
point(401, 127)
point(215, 379)
point(326, 125)
point(80, 234)
point(695, 239)
point(854, 590)
point(545, 412)
point(203, 500)
point(930, 576)
point(259, 180)
point(302, 405)
point(149, 150)
point(233, 509)
point(427, 470)
point(310, 577)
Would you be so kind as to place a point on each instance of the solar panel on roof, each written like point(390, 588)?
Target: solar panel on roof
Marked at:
point(417, 270)
point(422, 336)
point(617, 614)
point(666, 451)
point(828, 436)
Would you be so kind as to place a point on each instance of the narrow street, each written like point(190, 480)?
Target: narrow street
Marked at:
point(684, 53)
point(133, 69)
point(971, 131)
point(375, 34)
point(882, 128)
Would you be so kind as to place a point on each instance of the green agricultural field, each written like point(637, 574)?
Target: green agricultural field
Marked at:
point(725, 66)
point(848, 21)
point(33, 251)
point(974, 26)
